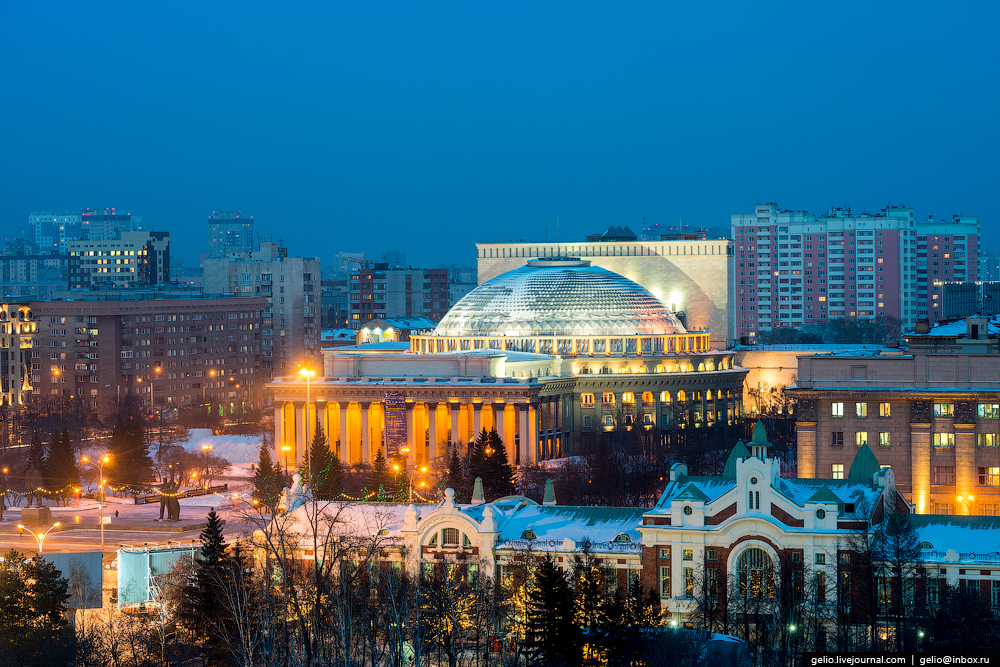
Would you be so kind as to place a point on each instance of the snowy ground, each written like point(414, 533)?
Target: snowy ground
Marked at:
point(240, 450)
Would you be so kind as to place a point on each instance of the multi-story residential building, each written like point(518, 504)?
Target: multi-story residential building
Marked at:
point(947, 251)
point(377, 291)
point(690, 276)
point(134, 259)
point(92, 352)
point(932, 412)
point(989, 266)
point(108, 225)
point(229, 233)
point(795, 269)
point(51, 231)
point(27, 272)
point(290, 287)
point(334, 301)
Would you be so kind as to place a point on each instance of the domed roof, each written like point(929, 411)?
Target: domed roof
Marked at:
point(560, 296)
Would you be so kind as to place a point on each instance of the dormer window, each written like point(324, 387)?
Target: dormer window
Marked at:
point(926, 545)
point(688, 510)
point(529, 535)
point(623, 538)
point(848, 508)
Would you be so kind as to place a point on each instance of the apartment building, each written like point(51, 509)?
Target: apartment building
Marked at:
point(170, 352)
point(229, 233)
point(795, 269)
point(134, 259)
point(378, 291)
point(947, 251)
point(290, 287)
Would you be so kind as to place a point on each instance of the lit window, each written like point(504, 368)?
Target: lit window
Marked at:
point(944, 439)
point(688, 554)
point(989, 476)
point(665, 581)
point(884, 409)
point(587, 400)
point(837, 409)
point(944, 409)
point(860, 409)
point(861, 438)
point(838, 471)
point(883, 439)
point(986, 439)
point(989, 410)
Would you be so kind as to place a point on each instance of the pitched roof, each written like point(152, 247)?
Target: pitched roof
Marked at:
point(864, 465)
point(740, 451)
point(825, 495)
point(759, 435)
point(691, 492)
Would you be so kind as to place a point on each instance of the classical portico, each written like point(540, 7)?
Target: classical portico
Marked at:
point(438, 411)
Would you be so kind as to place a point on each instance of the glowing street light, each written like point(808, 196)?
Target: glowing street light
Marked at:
point(308, 374)
point(968, 500)
point(286, 449)
point(100, 495)
point(40, 537)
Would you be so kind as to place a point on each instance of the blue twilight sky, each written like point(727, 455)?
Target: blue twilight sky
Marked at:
point(426, 126)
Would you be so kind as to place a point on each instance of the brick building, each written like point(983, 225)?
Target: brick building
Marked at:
point(378, 292)
point(172, 353)
point(931, 411)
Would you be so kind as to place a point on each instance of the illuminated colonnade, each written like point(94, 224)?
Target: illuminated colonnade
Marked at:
point(567, 346)
point(356, 429)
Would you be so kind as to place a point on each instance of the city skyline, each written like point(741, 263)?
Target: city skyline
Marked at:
point(441, 127)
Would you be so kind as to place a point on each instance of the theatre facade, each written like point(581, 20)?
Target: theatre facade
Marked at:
point(551, 355)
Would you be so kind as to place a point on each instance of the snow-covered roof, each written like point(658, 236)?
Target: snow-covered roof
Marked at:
point(554, 524)
point(974, 538)
point(400, 323)
point(328, 335)
point(956, 328)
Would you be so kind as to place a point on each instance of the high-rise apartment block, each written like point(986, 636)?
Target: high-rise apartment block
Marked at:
point(795, 269)
point(290, 287)
point(989, 266)
point(17, 328)
point(378, 291)
point(134, 259)
point(947, 251)
point(229, 233)
point(52, 231)
point(90, 354)
point(108, 225)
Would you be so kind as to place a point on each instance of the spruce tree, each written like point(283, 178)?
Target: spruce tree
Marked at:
point(36, 454)
point(552, 633)
point(319, 459)
point(199, 608)
point(267, 479)
point(63, 473)
point(500, 479)
point(380, 480)
point(133, 466)
point(334, 482)
point(455, 479)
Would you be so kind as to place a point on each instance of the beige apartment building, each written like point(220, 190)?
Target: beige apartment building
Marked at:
point(931, 412)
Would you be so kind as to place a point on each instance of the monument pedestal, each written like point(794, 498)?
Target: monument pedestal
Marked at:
point(36, 516)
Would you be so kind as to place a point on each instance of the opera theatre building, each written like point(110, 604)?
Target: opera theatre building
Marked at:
point(551, 354)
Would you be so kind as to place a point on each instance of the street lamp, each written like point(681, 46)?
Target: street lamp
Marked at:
point(308, 374)
point(206, 448)
point(40, 537)
point(100, 496)
point(968, 500)
point(211, 373)
point(286, 449)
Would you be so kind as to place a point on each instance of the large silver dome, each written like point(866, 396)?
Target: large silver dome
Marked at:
point(560, 296)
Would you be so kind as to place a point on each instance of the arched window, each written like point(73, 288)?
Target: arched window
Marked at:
point(681, 396)
point(529, 535)
point(628, 398)
point(623, 369)
point(658, 368)
point(623, 538)
point(756, 574)
point(434, 540)
point(665, 397)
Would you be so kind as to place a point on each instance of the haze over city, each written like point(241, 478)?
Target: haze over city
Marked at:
point(433, 126)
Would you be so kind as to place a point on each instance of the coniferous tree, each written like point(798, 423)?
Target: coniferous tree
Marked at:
point(552, 633)
point(36, 453)
point(267, 480)
point(455, 479)
point(319, 459)
point(62, 469)
point(334, 483)
point(380, 480)
point(133, 466)
point(199, 608)
point(500, 479)
point(477, 458)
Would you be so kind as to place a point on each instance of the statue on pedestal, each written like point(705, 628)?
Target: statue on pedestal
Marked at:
point(32, 483)
point(295, 497)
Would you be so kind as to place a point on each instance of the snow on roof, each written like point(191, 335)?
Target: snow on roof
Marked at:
point(354, 518)
point(401, 323)
point(956, 328)
point(975, 538)
point(337, 334)
point(374, 347)
point(554, 524)
point(710, 487)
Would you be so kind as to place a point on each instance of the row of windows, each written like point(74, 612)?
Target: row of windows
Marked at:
point(986, 440)
point(984, 410)
point(587, 400)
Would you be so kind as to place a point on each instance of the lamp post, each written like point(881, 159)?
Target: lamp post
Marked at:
point(40, 537)
point(100, 496)
point(968, 500)
point(286, 449)
point(211, 373)
point(308, 374)
point(205, 448)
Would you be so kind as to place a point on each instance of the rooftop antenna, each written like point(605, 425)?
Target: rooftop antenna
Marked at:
point(557, 233)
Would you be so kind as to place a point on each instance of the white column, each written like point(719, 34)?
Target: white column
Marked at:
point(477, 419)
point(432, 431)
point(532, 436)
point(279, 429)
point(411, 436)
point(498, 423)
point(345, 445)
point(366, 436)
point(300, 443)
point(455, 408)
